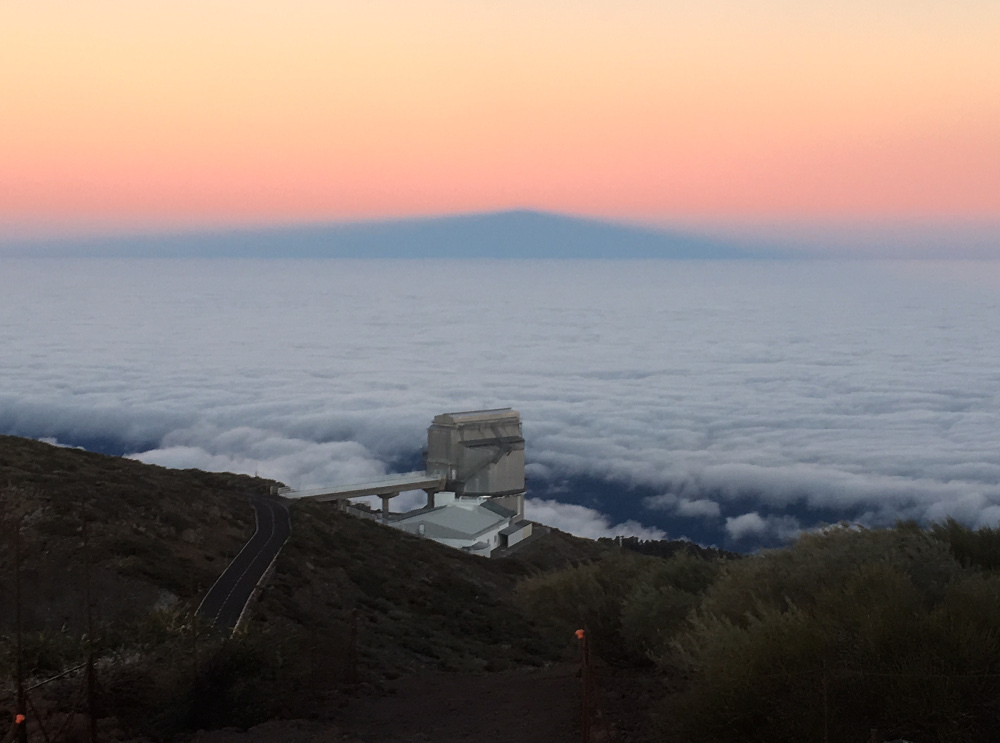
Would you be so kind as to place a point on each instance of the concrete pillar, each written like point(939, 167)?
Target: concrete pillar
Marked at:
point(385, 507)
point(430, 499)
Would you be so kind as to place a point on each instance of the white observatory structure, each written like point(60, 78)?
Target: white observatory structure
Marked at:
point(479, 454)
point(474, 480)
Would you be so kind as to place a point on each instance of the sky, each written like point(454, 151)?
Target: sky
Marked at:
point(118, 115)
point(736, 403)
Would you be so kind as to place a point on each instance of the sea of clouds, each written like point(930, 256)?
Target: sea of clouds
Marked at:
point(737, 403)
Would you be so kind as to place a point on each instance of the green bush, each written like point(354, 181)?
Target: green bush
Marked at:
point(840, 633)
point(659, 601)
point(630, 604)
point(796, 574)
point(979, 548)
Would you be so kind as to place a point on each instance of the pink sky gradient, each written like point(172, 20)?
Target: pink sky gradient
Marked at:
point(123, 115)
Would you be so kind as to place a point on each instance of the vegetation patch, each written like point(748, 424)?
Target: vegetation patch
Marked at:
point(843, 632)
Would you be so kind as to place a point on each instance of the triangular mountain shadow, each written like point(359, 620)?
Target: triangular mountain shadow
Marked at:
point(507, 234)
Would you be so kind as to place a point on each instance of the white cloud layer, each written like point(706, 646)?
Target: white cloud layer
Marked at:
point(671, 503)
point(866, 391)
point(585, 522)
point(265, 453)
point(756, 527)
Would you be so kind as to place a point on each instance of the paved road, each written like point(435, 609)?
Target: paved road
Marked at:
point(225, 600)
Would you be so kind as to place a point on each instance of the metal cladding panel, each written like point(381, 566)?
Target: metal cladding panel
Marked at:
point(442, 451)
point(504, 476)
point(513, 503)
point(479, 452)
point(514, 534)
point(474, 416)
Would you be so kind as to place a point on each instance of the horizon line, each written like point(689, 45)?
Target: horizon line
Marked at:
point(863, 238)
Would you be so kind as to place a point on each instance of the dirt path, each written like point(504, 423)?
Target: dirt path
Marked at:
point(527, 706)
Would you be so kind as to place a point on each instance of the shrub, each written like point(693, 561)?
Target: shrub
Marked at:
point(629, 603)
point(979, 548)
point(796, 574)
point(881, 629)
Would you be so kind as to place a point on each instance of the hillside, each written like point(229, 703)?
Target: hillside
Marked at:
point(156, 536)
point(367, 634)
point(349, 600)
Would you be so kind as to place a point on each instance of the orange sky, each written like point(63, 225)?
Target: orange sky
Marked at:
point(120, 114)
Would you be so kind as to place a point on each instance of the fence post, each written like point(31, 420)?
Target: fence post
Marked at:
point(585, 701)
point(826, 710)
point(22, 708)
point(91, 679)
point(353, 677)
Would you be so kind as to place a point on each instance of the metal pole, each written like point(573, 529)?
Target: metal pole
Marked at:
point(38, 719)
point(581, 635)
point(91, 681)
point(352, 650)
point(826, 711)
point(22, 707)
point(313, 639)
point(194, 641)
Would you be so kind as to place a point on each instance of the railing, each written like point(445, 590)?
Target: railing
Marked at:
point(391, 485)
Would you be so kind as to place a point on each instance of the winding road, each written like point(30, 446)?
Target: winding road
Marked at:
point(226, 599)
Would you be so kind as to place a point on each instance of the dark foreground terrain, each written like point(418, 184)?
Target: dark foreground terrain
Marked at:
point(532, 706)
point(361, 632)
point(367, 634)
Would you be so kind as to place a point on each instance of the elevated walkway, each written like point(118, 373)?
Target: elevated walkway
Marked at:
point(386, 488)
point(474, 467)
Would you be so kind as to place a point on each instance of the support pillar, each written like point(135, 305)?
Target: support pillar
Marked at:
point(430, 499)
point(385, 507)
